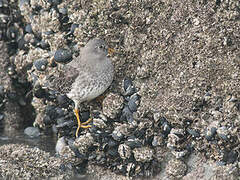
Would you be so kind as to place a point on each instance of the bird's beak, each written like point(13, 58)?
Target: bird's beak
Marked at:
point(110, 51)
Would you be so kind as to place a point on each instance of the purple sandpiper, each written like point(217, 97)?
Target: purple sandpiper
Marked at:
point(86, 77)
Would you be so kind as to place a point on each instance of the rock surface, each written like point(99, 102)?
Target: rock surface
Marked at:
point(21, 161)
point(182, 57)
point(12, 118)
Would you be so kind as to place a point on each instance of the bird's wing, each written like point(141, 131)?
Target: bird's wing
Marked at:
point(62, 81)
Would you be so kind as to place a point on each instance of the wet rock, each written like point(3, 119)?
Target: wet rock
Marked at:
point(44, 45)
point(24, 162)
point(32, 132)
point(128, 87)
point(63, 11)
point(223, 133)
point(22, 101)
point(63, 100)
point(100, 122)
point(12, 112)
point(75, 150)
point(28, 28)
point(60, 145)
point(84, 142)
point(230, 171)
point(120, 131)
point(134, 102)
point(124, 151)
point(11, 71)
point(175, 138)
point(230, 156)
point(61, 123)
point(194, 133)
point(112, 105)
point(12, 33)
point(176, 168)
point(157, 140)
point(63, 55)
point(68, 152)
point(127, 115)
point(40, 64)
point(143, 154)
point(162, 124)
point(131, 169)
point(210, 133)
point(117, 135)
point(179, 154)
point(12, 96)
point(1, 117)
point(73, 27)
point(133, 142)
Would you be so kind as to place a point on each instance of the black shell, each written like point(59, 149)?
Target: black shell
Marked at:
point(73, 27)
point(128, 87)
point(38, 91)
point(63, 55)
point(126, 115)
point(40, 64)
point(44, 45)
point(133, 102)
point(28, 28)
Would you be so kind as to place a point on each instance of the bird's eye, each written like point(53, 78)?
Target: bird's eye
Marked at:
point(101, 47)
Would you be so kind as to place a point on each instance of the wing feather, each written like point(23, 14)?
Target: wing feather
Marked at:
point(62, 81)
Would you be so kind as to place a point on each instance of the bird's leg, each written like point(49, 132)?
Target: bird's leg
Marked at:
point(78, 120)
point(81, 125)
point(86, 122)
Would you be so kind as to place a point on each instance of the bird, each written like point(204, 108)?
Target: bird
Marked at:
point(86, 76)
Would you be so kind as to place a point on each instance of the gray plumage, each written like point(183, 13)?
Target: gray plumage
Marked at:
point(86, 76)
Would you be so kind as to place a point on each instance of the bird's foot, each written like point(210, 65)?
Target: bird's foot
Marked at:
point(86, 122)
point(81, 125)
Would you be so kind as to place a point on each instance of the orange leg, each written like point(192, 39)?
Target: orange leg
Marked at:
point(86, 122)
point(81, 125)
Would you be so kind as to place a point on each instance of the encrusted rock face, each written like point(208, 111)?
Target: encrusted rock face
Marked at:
point(9, 108)
point(175, 138)
point(84, 142)
point(176, 89)
point(143, 154)
point(176, 168)
point(124, 151)
point(17, 161)
point(112, 105)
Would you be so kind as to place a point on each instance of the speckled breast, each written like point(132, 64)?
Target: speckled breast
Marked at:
point(90, 85)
